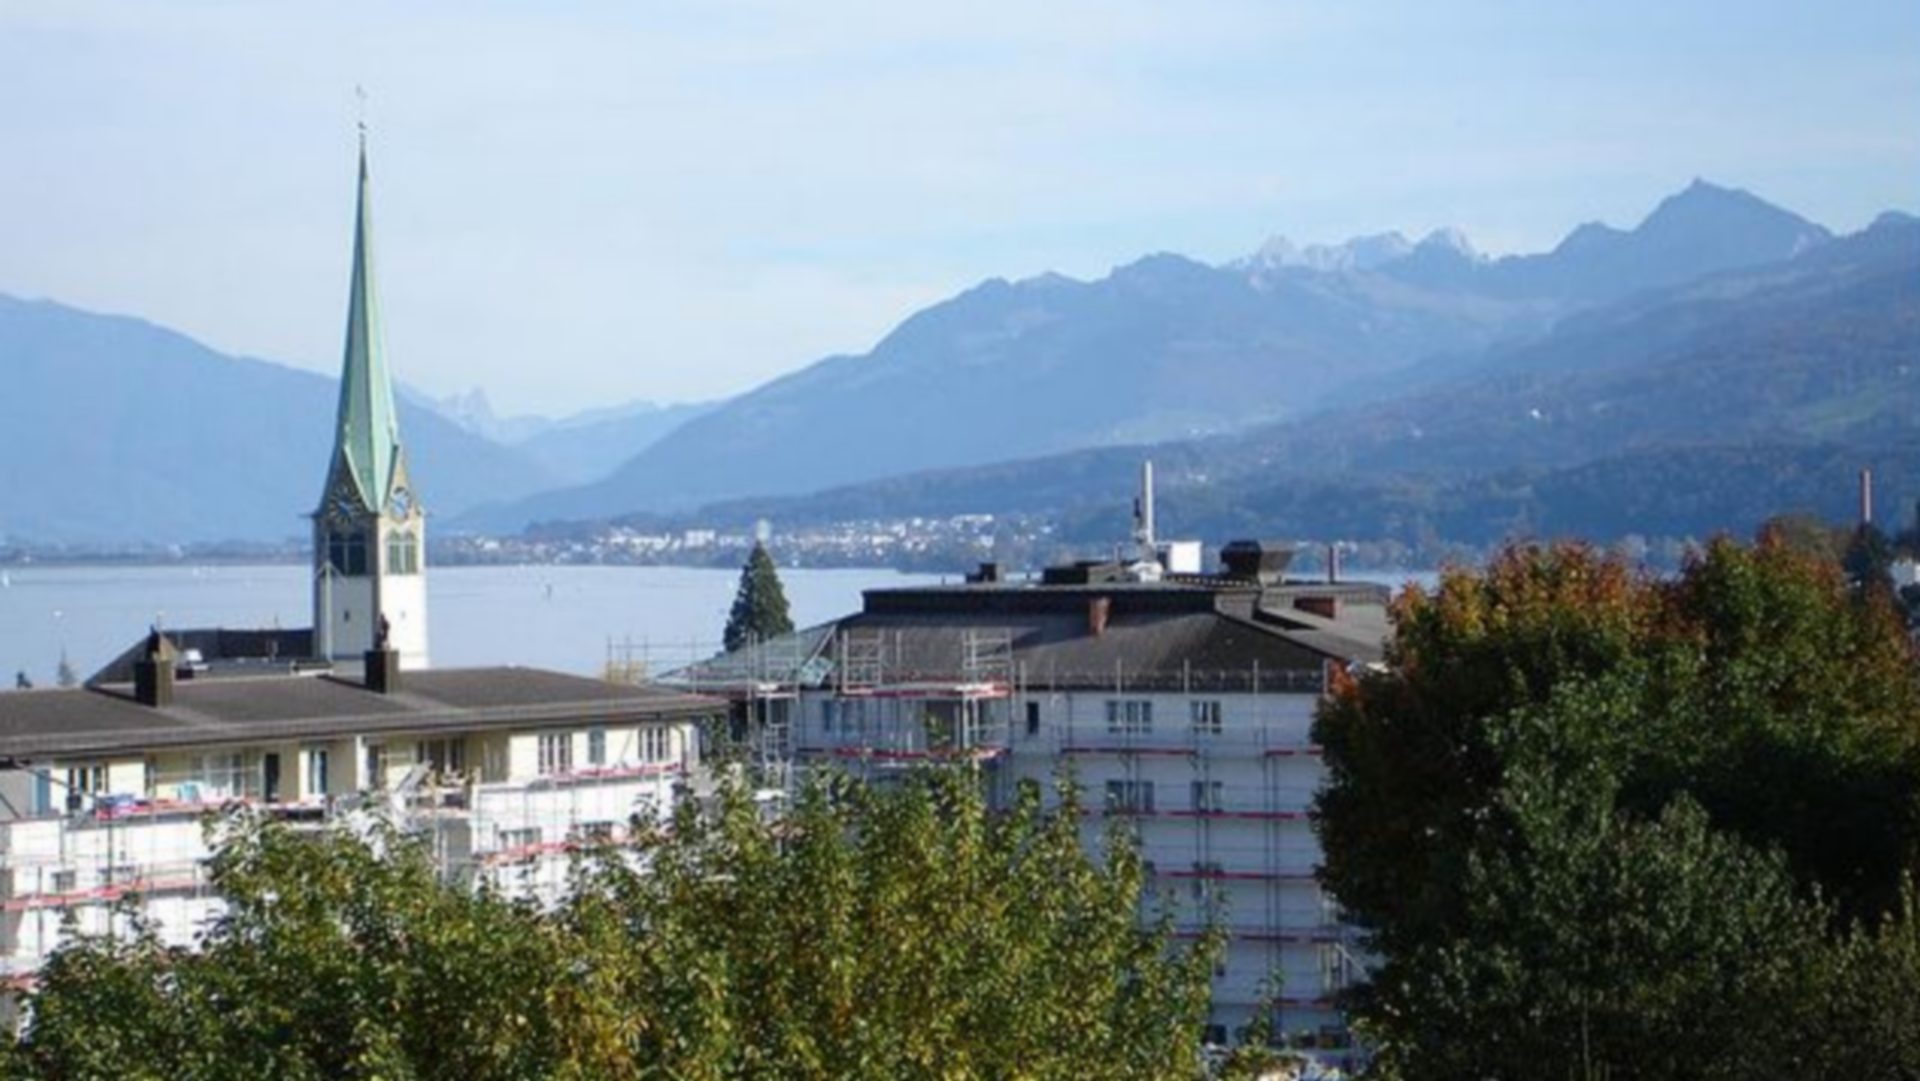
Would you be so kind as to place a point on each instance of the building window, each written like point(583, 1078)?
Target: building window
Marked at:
point(556, 754)
point(520, 840)
point(852, 714)
point(217, 777)
point(1336, 968)
point(594, 832)
point(1130, 797)
point(347, 553)
point(65, 881)
point(1033, 719)
point(1129, 715)
point(656, 744)
point(317, 771)
point(403, 553)
point(376, 776)
point(828, 708)
point(1207, 797)
point(596, 747)
point(90, 780)
point(1206, 715)
point(442, 756)
point(1206, 882)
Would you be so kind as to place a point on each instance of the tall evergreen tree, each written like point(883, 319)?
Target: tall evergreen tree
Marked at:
point(760, 605)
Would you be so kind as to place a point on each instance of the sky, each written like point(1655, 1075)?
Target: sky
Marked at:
point(585, 203)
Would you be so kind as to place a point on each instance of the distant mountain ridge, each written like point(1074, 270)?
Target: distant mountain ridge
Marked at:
point(114, 430)
point(574, 449)
point(1161, 348)
point(1702, 407)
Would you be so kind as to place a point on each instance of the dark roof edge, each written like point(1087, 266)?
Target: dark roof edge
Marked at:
point(673, 707)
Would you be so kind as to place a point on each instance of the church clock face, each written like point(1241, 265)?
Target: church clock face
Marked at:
point(400, 505)
point(342, 507)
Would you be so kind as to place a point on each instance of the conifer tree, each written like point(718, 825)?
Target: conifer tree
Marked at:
point(760, 605)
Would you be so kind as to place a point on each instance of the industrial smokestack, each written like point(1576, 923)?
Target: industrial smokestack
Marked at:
point(1866, 497)
point(1143, 529)
point(1333, 563)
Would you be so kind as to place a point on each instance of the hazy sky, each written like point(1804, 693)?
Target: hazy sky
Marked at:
point(586, 202)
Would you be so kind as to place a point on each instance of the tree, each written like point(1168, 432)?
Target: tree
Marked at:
point(1599, 944)
point(760, 604)
point(64, 675)
point(1808, 534)
point(1545, 729)
point(866, 934)
point(1869, 559)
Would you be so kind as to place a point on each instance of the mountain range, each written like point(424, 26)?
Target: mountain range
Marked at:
point(1681, 411)
point(1164, 348)
point(1421, 385)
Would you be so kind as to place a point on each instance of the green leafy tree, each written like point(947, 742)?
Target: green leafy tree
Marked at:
point(760, 604)
point(1597, 944)
point(897, 933)
point(1808, 534)
point(1747, 720)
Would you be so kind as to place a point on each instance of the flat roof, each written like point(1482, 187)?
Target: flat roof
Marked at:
point(106, 719)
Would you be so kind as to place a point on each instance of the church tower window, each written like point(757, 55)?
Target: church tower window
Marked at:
point(347, 553)
point(403, 553)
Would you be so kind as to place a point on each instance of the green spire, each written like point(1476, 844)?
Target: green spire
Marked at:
point(368, 439)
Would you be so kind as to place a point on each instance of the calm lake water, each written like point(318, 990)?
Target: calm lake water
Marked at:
point(546, 617)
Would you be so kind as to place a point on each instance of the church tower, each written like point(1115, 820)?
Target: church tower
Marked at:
point(369, 535)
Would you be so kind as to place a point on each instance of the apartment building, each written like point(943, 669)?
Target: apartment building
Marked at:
point(1182, 702)
point(105, 789)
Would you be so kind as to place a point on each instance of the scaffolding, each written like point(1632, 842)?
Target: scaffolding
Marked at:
point(98, 852)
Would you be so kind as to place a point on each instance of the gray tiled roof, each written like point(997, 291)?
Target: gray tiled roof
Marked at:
point(237, 710)
point(1230, 636)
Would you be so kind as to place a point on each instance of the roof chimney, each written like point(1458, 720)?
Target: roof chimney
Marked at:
point(1333, 563)
point(153, 671)
point(382, 662)
point(1099, 609)
point(1866, 497)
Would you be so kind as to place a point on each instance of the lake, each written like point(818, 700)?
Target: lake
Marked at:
point(542, 616)
point(555, 617)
